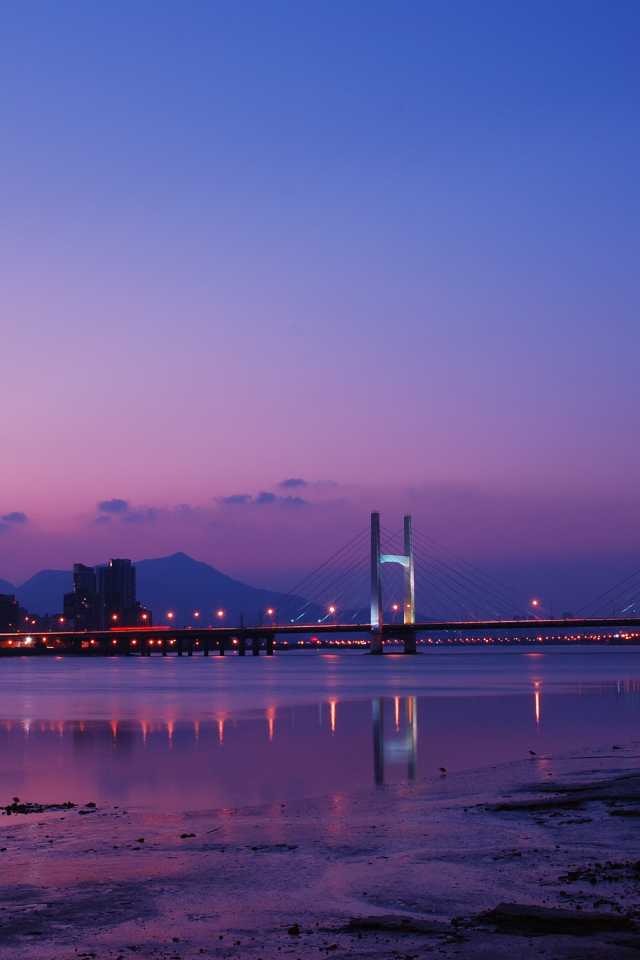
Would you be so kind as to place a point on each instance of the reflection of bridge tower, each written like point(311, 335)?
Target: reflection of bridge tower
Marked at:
point(406, 560)
point(408, 747)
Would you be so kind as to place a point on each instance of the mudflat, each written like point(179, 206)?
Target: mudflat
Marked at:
point(539, 858)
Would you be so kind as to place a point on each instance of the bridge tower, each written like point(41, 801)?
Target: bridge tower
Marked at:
point(406, 560)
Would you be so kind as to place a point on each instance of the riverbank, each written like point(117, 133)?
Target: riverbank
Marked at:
point(427, 859)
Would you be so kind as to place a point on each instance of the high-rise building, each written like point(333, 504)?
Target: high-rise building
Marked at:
point(117, 593)
point(82, 605)
point(12, 616)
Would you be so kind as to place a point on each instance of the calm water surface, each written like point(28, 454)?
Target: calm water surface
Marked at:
point(196, 733)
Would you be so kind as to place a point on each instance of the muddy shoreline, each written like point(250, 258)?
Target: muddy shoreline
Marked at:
point(536, 858)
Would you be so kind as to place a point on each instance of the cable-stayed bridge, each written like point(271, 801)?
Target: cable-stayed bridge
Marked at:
point(383, 585)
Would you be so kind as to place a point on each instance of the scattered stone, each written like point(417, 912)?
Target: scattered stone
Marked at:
point(530, 919)
point(393, 923)
point(294, 931)
point(17, 807)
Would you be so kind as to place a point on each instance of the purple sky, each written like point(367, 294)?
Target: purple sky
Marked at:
point(389, 248)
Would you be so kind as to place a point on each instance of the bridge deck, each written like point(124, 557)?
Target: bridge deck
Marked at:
point(269, 632)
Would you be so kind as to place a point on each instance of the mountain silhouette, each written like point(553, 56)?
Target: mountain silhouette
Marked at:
point(176, 584)
point(183, 586)
point(44, 591)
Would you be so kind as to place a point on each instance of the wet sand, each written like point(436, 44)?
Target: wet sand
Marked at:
point(395, 871)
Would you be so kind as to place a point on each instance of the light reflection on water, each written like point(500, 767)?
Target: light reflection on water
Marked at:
point(155, 735)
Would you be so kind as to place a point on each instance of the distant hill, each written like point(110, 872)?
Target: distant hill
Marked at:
point(43, 593)
point(177, 584)
point(183, 586)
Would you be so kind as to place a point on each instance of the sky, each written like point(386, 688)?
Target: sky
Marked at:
point(388, 249)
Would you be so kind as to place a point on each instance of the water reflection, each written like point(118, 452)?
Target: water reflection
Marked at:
point(286, 752)
point(387, 745)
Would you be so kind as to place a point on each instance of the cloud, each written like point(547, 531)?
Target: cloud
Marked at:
point(15, 517)
point(123, 510)
point(135, 516)
point(264, 497)
point(236, 499)
point(294, 482)
point(113, 506)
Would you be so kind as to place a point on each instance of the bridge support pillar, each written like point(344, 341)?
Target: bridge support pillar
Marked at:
point(242, 645)
point(270, 643)
point(164, 646)
point(410, 642)
point(179, 646)
point(206, 646)
point(221, 645)
point(190, 647)
point(256, 646)
point(376, 586)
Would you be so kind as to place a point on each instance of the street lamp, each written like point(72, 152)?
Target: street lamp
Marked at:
point(395, 607)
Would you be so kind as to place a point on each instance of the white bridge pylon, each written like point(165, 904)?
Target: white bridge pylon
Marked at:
point(406, 561)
